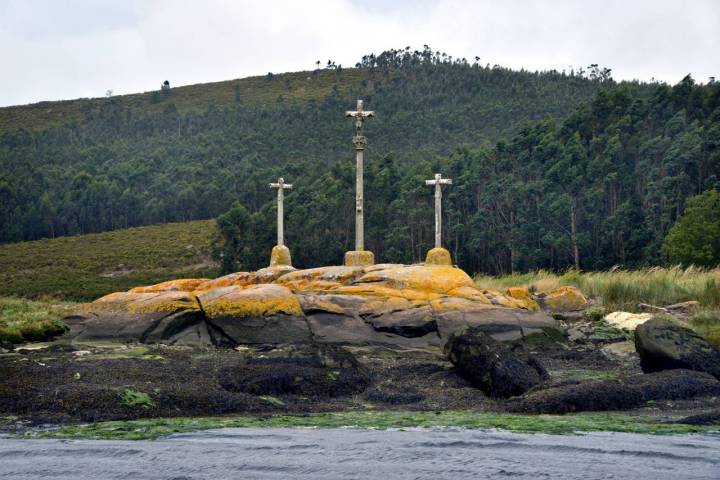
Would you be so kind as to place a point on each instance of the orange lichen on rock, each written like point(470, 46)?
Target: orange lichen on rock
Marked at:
point(179, 285)
point(359, 258)
point(303, 280)
point(521, 293)
point(437, 279)
point(147, 302)
point(438, 256)
point(252, 301)
point(564, 299)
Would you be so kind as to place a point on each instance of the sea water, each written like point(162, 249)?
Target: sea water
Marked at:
point(336, 453)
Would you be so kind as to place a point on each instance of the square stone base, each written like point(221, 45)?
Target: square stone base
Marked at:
point(359, 258)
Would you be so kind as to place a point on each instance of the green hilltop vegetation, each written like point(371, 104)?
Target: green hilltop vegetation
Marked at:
point(188, 153)
point(550, 169)
point(85, 267)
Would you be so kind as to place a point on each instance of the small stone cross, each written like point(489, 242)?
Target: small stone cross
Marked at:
point(438, 181)
point(281, 186)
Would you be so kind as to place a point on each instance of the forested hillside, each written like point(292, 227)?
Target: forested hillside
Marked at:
point(599, 188)
point(187, 153)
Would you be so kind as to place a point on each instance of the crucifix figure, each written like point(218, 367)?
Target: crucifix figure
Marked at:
point(359, 141)
point(281, 186)
point(438, 181)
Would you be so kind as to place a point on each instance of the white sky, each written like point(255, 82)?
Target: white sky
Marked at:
point(62, 49)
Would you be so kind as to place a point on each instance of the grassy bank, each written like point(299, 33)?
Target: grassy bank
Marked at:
point(86, 267)
point(550, 424)
point(624, 290)
point(28, 321)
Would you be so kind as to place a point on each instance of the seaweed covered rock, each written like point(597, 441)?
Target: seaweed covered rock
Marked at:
point(313, 369)
point(620, 394)
point(492, 366)
point(663, 344)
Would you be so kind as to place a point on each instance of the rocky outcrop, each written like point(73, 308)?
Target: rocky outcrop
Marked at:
point(563, 299)
point(407, 305)
point(492, 366)
point(663, 345)
point(620, 394)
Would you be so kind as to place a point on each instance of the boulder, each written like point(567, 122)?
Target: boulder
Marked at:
point(563, 299)
point(490, 365)
point(502, 323)
point(160, 316)
point(627, 320)
point(620, 394)
point(663, 344)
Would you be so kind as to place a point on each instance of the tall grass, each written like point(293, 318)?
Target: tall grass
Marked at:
point(624, 289)
point(25, 320)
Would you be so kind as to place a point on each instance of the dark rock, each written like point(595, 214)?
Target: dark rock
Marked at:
point(621, 394)
point(664, 345)
point(411, 323)
point(5, 345)
point(500, 323)
point(706, 418)
point(277, 329)
point(492, 366)
point(314, 370)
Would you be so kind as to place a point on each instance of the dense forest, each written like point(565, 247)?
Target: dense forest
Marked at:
point(127, 161)
point(550, 169)
point(600, 188)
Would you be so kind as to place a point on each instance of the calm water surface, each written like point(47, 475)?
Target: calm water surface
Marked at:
point(349, 453)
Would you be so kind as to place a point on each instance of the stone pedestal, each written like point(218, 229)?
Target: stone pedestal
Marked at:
point(280, 256)
point(438, 256)
point(359, 258)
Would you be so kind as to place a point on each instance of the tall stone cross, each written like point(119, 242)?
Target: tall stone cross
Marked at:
point(281, 186)
point(438, 181)
point(359, 141)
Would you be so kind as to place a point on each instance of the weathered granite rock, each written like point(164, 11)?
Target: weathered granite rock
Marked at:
point(492, 366)
point(157, 317)
point(664, 345)
point(256, 314)
point(408, 305)
point(563, 299)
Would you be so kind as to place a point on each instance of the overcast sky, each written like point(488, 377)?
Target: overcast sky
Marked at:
point(62, 49)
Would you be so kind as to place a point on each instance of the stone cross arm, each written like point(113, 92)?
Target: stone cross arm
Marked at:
point(360, 112)
point(438, 180)
point(281, 184)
